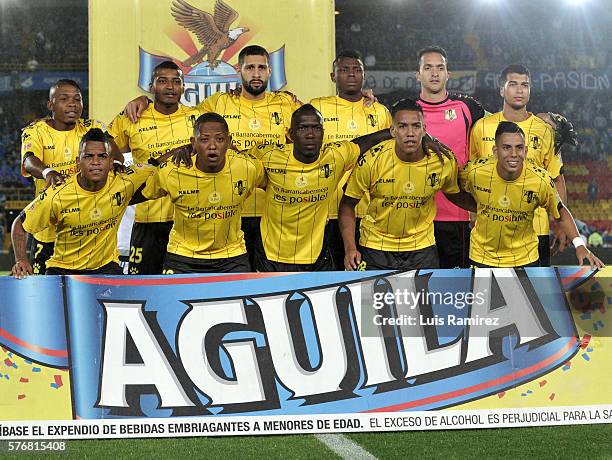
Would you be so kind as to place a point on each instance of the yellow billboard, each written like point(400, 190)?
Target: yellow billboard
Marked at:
point(128, 37)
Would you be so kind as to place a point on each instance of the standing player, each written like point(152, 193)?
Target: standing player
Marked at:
point(162, 126)
point(207, 198)
point(515, 88)
point(85, 211)
point(301, 179)
point(397, 231)
point(49, 151)
point(345, 117)
point(256, 117)
point(508, 190)
point(449, 118)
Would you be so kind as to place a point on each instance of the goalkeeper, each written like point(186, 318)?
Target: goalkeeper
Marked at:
point(544, 144)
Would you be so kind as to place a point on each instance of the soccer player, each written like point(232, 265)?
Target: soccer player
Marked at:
point(345, 117)
point(449, 118)
point(508, 190)
point(163, 125)
point(397, 231)
point(515, 88)
point(301, 179)
point(207, 198)
point(85, 211)
point(255, 117)
point(49, 151)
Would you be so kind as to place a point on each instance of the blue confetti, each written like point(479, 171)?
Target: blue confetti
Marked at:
point(7, 377)
point(523, 394)
point(600, 322)
point(590, 349)
point(529, 392)
point(586, 357)
point(585, 316)
point(36, 369)
point(54, 385)
point(566, 368)
point(10, 354)
point(595, 326)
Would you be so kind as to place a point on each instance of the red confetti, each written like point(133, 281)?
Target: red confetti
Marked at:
point(542, 383)
point(585, 341)
point(552, 396)
point(24, 380)
point(501, 394)
point(20, 396)
point(8, 362)
point(58, 380)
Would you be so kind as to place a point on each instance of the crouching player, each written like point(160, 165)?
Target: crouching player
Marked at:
point(508, 190)
point(85, 212)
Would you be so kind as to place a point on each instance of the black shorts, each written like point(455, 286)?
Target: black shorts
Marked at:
point(175, 264)
point(250, 226)
point(263, 264)
point(336, 244)
point(39, 254)
point(453, 242)
point(111, 268)
point(544, 250)
point(148, 247)
point(399, 260)
point(479, 265)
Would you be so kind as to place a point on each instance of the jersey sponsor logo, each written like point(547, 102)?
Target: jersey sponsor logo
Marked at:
point(188, 192)
point(488, 139)
point(214, 197)
point(42, 194)
point(373, 120)
point(331, 119)
point(254, 124)
point(482, 189)
point(385, 181)
point(233, 117)
point(504, 201)
point(450, 114)
point(49, 147)
point(325, 170)
point(147, 128)
point(433, 179)
point(240, 187)
point(408, 188)
point(301, 181)
point(276, 118)
point(70, 210)
point(276, 170)
point(95, 214)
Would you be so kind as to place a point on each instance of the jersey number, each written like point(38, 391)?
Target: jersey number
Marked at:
point(39, 248)
point(135, 255)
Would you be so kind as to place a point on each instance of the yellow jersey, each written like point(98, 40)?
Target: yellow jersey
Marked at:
point(153, 135)
point(344, 121)
point(503, 235)
point(540, 141)
point(251, 123)
point(86, 222)
point(297, 198)
point(207, 206)
point(58, 150)
point(402, 208)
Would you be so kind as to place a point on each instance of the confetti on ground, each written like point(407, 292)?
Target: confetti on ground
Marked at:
point(21, 396)
point(586, 357)
point(590, 350)
point(6, 377)
point(501, 394)
point(24, 380)
point(58, 382)
point(523, 394)
point(542, 383)
point(585, 341)
point(529, 392)
point(552, 396)
point(36, 369)
point(8, 362)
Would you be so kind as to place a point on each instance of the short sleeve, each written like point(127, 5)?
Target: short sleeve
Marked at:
point(359, 182)
point(464, 177)
point(349, 152)
point(154, 188)
point(119, 130)
point(450, 177)
point(30, 142)
point(40, 213)
point(550, 200)
point(475, 134)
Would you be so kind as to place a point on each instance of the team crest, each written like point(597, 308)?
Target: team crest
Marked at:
point(276, 118)
point(67, 154)
point(117, 199)
point(254, 124)
point(504, 201)
point(536, 142)
point(450, 114)
point(408, 188)
point(373, 120)
point(240, 187)
point(325, 171)
point(192, 120)
point(352, 125)
point(529, 196)
point(214, 197)
point(433, 179)
point(301, 181)
point(95, 214)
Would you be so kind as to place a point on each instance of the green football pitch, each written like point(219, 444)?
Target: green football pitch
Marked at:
point(580, 441)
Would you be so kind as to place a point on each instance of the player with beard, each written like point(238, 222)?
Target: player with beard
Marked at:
point(515, 88)
point(49, 151)
point(449, 118)
point(255, 117)
point(345, 117)
point(508, 190)
point(162, 126)
point(85, 211)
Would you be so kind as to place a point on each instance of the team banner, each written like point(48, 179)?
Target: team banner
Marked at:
point(554, 80)
point(204, 38)
point(39, 81)
point(387, 81)
point(262, 353)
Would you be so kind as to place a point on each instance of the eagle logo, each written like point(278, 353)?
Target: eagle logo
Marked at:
point(213, 31)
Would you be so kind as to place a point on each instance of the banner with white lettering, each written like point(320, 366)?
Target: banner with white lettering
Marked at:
point(265, 353)
point(555, 80)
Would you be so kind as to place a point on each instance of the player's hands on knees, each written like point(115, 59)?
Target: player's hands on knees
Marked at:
point(21, 269)
point(368, 97)
point(352, 259)
point(583, 253)
point(441, 150)
point(54, 179)
point(135, 107)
